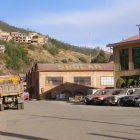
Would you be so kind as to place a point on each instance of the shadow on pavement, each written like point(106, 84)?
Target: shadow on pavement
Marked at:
point(126, 132)
point(110, 136)
point(74, 119)
point(21, 136)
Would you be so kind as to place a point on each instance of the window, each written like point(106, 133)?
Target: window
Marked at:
point(54, 80)
point(136, 58)
point(124, 59)
point(82, 80)
point(107, 80)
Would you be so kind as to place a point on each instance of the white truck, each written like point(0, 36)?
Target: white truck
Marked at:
point(11, 96)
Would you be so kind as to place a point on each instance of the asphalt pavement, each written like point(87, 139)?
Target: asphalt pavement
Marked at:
point(57, 120)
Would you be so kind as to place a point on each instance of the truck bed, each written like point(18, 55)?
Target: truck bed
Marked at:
point(11, 89)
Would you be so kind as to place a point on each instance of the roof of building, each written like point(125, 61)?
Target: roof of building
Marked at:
point(73, 67)
point(131, 40)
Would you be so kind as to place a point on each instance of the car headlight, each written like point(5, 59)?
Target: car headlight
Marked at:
point(101, 98)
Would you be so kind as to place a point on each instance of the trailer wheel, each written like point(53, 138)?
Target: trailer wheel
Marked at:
point(22, 105)
point(18, 106)
point(1, 107)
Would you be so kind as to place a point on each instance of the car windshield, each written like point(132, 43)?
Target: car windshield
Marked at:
point(117, 92)
point(100, 92)
point(137, 91)
point(109, 92)
point(121, 92)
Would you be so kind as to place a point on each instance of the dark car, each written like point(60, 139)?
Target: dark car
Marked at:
point(117, 96)
point(133, 99)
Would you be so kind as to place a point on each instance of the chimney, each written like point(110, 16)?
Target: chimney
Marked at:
point(139, 28)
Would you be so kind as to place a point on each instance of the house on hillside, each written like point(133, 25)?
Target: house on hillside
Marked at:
point(2, 48)
point(4, 36)
point(50, 80)
point(39, 39)
point(127, 59)
point(19, 37)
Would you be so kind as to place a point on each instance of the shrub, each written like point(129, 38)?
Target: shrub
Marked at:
point(16, 54)
point(70, 60)
point(45, 46)
point(31, 47)
point(53, 50)
point(82, 59)
point(120, 83)
point(13, 63)
point(64, 61)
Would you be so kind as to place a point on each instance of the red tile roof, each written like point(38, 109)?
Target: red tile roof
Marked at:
point(73, 67)
point(131, 38)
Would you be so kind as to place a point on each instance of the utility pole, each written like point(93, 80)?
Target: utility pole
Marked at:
point(90, 38)
point(139, 28)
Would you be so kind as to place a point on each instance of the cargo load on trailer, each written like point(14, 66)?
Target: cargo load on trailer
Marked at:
point(11, 95)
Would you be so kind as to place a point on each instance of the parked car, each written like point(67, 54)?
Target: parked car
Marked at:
point(133, 99)
point(89, 97)
point(115, 99)
point(101, 98)
point(26, 95)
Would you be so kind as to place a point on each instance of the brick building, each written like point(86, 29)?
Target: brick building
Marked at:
point(127, 58)
point(70, 79)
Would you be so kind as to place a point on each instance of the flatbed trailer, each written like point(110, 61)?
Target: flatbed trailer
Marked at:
point(11, 96)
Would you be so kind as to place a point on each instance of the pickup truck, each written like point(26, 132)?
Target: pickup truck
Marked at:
point(11, 96)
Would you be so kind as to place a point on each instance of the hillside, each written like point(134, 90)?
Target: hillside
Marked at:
point(8, 28)
point(20, 57)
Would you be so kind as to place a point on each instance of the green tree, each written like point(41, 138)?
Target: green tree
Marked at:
point(130, 82)
point(82, 59)
point(101, 58)
point(138, 82)
point(120, 83)
point(64, 61)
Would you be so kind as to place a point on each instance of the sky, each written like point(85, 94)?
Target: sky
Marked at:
point(89, 23)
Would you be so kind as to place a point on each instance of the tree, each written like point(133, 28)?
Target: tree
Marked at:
point(138, 82)
point(82, 59)
point(120, 83)
point(130, 82)
point(101, 58)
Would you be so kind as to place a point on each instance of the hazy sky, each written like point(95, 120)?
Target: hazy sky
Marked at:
point(79, 22)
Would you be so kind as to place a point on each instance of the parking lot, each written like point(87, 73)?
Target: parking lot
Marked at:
point(57, 120)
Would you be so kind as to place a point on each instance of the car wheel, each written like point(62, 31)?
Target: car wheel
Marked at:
point(1, 107)
point(107, 102)
point(120, 102)
point(86, 102)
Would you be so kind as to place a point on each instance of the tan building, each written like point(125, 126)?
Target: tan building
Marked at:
point(39, 39)
point(2, 48)
point(4, 36)
point(18, 37)
point(53, 79)
point(127, 59)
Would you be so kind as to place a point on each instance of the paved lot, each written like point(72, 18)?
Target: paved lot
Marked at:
point(50, 120)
